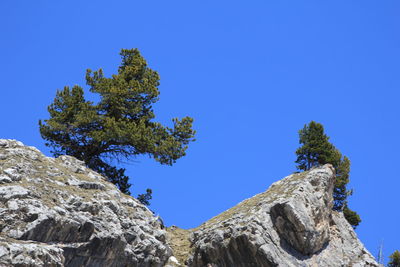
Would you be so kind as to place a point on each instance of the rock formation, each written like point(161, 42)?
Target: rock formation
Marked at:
point(56, 212)
point(291, 224)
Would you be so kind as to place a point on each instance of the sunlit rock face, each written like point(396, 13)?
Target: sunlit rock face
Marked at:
point(291, 224)
point(57, 212)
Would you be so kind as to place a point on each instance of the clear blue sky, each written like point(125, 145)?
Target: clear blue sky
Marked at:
point(251, 73)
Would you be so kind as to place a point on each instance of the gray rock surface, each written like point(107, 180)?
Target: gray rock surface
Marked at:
point(291, 224)
point(56, 212)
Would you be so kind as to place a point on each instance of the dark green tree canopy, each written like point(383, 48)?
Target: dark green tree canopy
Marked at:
point(394, 259)
point(317, 150)
point(118, 127)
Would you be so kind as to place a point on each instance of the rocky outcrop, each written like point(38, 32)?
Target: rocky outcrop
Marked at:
point(56, 212)
point(291, 224)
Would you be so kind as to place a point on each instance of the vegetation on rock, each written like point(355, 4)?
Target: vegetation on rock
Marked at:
point(317, 150)
point(394, 259)
point(119, 126)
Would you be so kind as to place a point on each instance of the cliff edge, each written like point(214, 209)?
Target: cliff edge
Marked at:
point(57, 212)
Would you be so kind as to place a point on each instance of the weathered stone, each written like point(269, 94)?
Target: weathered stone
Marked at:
point(19, 253)
point(56, 212)
point(291, 224)
point(5, 179)
point(12, 191)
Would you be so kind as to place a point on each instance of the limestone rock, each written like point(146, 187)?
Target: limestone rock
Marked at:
point(20, 253)
point(291, 224)
point(56, 212)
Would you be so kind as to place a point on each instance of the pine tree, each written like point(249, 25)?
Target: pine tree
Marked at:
point(317, 150)
point(394, 259)
point(351, 216)
point(120, 126)
point(340, 192)
point(145, 198)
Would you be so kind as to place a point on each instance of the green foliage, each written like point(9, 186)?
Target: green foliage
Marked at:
point(317, 150)
point(340, 192)
point(145, 198)
point(351, 216)
point(118, 127)
point(394, 259)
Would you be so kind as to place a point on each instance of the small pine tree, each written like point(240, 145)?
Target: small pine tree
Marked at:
point(317, 150)
point(145, 198)
point(394, 259)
